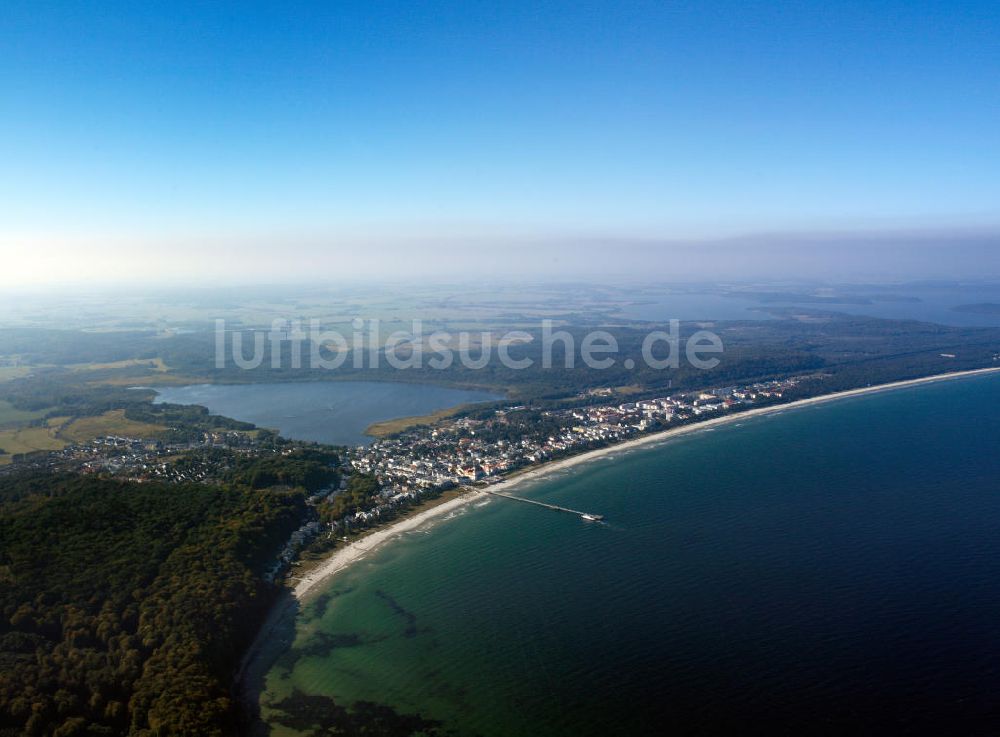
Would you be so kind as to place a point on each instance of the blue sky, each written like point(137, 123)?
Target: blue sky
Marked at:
point(226, 129)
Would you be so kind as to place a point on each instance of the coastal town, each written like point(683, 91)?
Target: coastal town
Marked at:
point(448, 453)
point(451, 452)
point(467, 450)
point(399, 471)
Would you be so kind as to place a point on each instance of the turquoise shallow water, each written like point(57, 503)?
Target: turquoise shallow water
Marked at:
point(833, 569)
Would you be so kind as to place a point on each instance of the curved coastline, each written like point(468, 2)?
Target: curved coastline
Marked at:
point(344, 557)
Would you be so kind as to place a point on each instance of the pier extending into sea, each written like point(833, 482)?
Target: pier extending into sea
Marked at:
point(590, 516)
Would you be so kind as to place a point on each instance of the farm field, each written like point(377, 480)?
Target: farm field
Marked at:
point(58, 432)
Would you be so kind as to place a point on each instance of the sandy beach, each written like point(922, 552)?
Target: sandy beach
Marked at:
point(341, 558)
point(344, 557)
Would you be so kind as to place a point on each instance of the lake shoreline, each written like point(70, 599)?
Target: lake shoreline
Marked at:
point(326, 412)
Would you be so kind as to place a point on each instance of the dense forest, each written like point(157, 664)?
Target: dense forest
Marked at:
point(126, 607)
point(310, 468)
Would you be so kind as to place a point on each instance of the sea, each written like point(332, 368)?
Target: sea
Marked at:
point(334, 412)
point(832, 569)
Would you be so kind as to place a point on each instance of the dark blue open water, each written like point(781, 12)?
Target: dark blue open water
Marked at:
point(828, 570)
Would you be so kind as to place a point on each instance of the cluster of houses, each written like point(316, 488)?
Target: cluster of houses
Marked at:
point(296, 541)
point(140, 459)
point(468, 450)
point(390, 500)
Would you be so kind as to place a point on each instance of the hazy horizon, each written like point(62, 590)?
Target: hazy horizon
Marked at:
point(183, 143)
point(822, 257)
